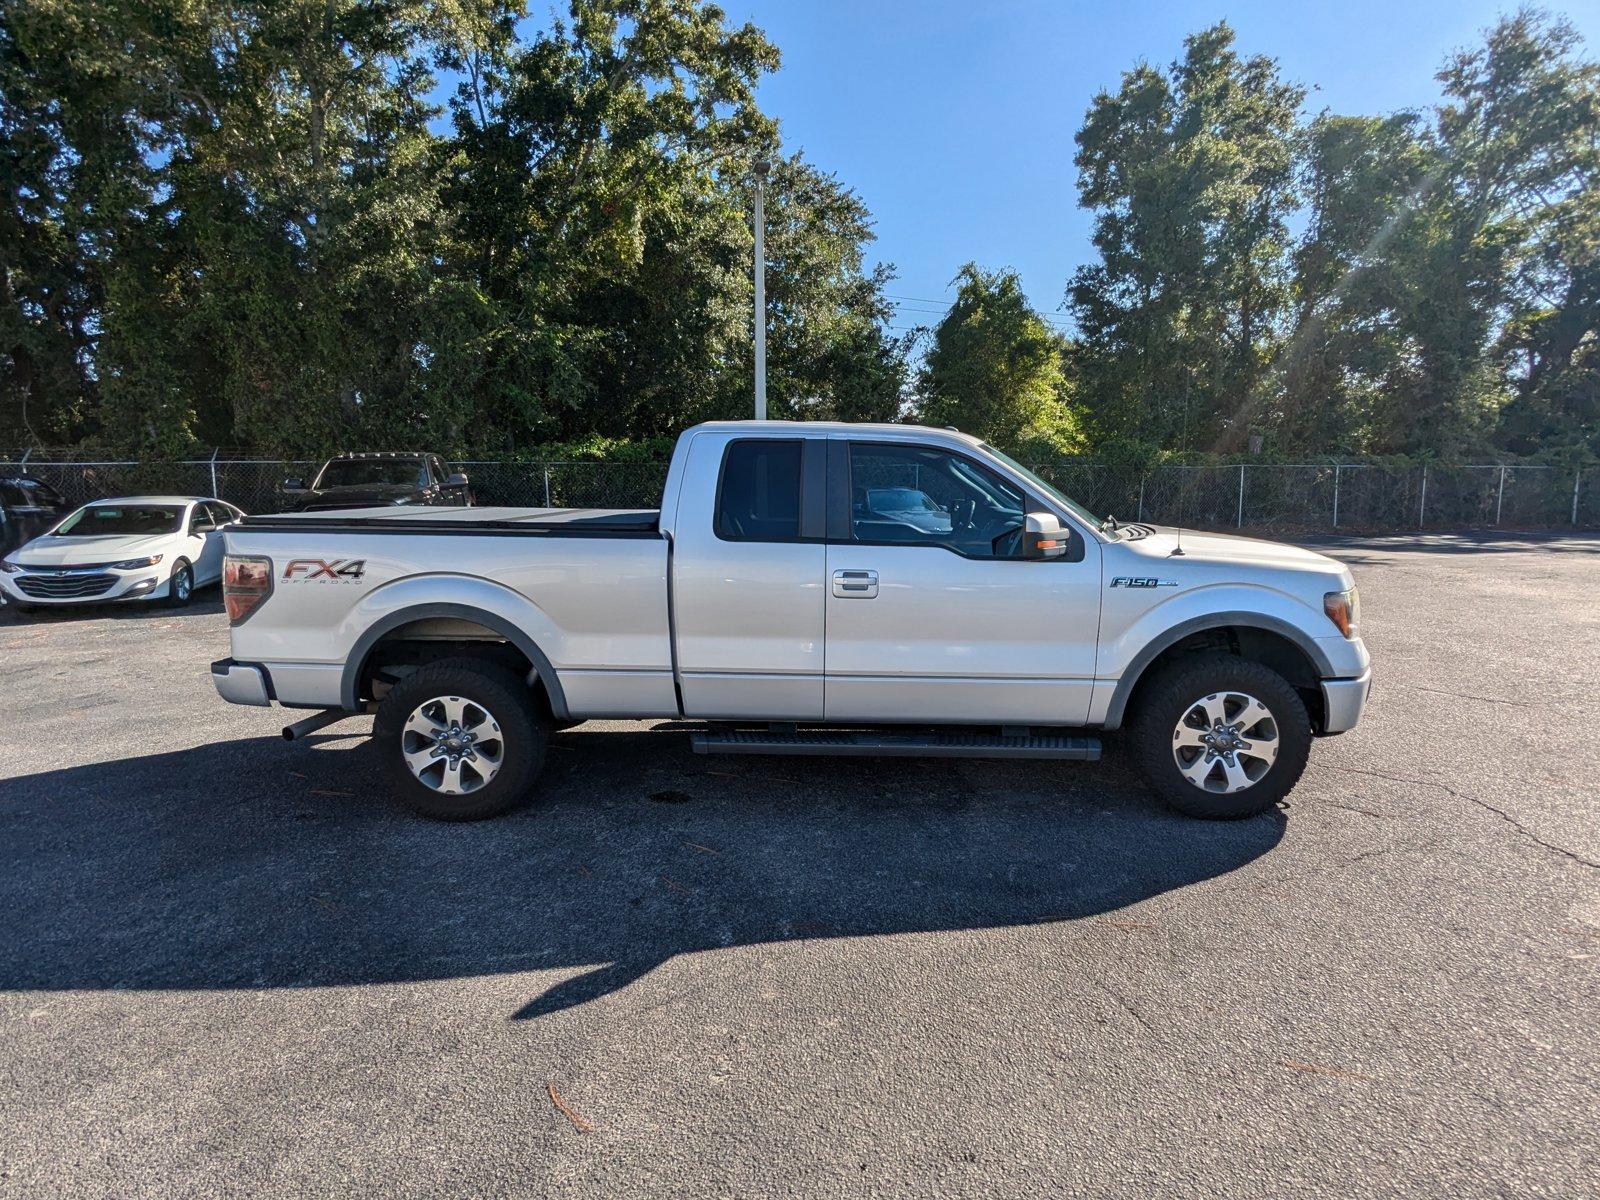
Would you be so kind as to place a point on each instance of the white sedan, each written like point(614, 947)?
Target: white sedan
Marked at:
point(135, 548)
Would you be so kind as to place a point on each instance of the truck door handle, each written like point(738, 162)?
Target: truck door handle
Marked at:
point(855, 585)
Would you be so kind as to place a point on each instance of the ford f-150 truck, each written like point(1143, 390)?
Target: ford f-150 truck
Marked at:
point(805, 588)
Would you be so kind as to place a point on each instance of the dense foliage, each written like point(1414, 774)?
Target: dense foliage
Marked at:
point(304, 224)
point(1441, 296)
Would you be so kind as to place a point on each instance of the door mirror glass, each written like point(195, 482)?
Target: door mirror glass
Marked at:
point(456, 480)
point(1043, 537)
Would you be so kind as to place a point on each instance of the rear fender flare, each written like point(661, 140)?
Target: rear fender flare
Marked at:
point(395, 616)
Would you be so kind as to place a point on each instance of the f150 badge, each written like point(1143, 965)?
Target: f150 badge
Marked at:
point(336, 570)
point(1137, 581)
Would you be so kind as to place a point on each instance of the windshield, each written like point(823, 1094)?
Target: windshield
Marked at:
point(899, 500)
point(1049, 489)
point(372, 473)
point(103, 520)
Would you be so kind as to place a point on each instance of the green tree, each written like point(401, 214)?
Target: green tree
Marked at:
point(1363, 180)
point(276, 289)
point(590, 218)
point(1550, 341)
point(1190, 172)
point(994, 369)
point(83, 93)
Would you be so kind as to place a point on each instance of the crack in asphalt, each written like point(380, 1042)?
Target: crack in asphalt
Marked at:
point(1126, 1006)
point(1483, 804)
point(1380, 851)
point(1355, 808)
point(1417, 687)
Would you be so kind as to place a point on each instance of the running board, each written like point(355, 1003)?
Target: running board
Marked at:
point(951, 744)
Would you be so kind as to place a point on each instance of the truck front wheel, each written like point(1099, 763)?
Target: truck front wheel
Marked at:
point(460, 740)
point(1220, 737)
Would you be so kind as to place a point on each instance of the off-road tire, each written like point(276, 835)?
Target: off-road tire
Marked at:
point(521, 728)
point(1162, 704)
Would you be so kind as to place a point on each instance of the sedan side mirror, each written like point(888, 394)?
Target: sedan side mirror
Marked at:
point(1043, 537)
point(456, 480)
point(294, 484)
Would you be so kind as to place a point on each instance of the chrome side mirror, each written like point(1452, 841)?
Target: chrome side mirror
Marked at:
point(1043, 537)
point(456, 480)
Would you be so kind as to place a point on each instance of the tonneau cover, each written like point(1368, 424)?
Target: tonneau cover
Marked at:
point(462, 519)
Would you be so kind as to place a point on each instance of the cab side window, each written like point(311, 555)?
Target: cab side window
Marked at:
point(758, 496)
point(924, 496)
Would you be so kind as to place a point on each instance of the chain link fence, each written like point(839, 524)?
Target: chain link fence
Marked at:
point(1310, 497)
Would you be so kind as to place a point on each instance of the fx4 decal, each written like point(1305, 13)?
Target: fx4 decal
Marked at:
point(339, 570)
point(1136, 581)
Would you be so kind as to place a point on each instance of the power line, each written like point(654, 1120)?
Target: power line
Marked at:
point(944, 305)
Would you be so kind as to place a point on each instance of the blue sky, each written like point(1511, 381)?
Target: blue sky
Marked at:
point(953, 119)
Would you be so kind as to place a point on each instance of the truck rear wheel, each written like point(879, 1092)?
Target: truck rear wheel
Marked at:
point(460, 740)
point(1220, 737)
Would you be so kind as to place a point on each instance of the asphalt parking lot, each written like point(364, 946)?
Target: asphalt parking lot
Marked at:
point(228, 966)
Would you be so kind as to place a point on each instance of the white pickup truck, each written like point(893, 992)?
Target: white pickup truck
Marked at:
point(804, 589)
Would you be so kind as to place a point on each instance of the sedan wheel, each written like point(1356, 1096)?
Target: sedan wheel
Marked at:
point(181, 586)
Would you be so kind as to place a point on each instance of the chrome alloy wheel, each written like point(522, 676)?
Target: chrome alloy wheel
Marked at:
point(1225, 742)
point(452, 745)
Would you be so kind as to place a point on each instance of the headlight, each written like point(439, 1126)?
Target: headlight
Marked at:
point(133, 564)
point(1344, 610)
point(9, 567)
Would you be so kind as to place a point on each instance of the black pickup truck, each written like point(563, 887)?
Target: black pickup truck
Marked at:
point(367, 480)
point(28, 508)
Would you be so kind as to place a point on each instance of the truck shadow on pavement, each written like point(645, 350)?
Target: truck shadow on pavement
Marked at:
point(255, 863)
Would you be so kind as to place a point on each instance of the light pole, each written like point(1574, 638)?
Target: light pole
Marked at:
point(762, 166)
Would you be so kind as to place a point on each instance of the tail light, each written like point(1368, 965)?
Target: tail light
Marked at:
point(246, 582)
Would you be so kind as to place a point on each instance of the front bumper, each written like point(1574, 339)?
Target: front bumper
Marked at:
point(241, 683)
point(48, 586)
point(1343, 701)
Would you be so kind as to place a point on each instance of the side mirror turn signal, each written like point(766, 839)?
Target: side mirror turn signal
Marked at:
point(1043, 537)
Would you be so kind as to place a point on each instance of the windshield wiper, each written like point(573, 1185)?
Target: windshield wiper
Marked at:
point(1110, 524)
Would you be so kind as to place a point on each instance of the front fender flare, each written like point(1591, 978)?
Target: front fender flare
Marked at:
point(1215, 620)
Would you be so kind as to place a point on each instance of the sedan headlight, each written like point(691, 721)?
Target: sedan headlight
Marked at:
point(1344, 610)
point(133, 564)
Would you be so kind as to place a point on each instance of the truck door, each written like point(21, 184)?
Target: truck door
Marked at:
point(748, 578)
point(932, 613)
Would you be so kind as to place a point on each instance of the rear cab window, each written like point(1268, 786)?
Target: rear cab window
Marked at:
point(758, 494)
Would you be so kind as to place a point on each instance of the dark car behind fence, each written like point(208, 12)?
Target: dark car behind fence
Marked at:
point(1349, 496)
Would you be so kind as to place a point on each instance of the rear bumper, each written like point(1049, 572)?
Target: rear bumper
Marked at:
point(241, 683)
point(1343, 701)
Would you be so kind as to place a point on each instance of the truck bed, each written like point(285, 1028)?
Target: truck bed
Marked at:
point(553, 522)
point(586, 587)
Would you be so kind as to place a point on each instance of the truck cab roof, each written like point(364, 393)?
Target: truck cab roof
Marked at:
point(837, 428)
